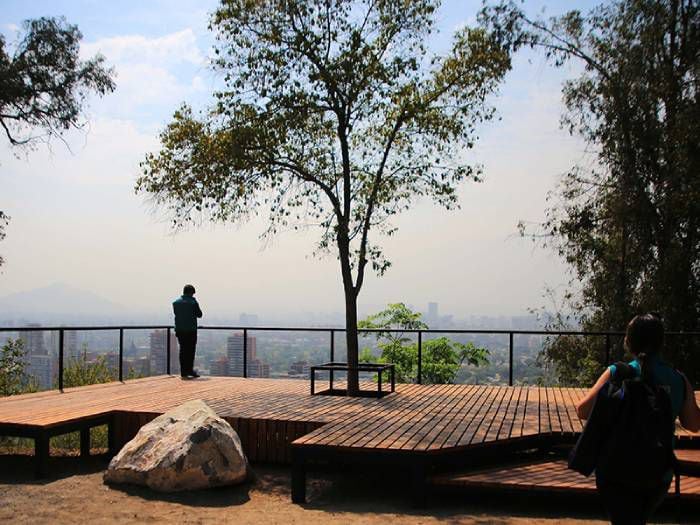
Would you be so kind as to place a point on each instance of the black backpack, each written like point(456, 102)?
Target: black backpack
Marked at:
point(628, 439)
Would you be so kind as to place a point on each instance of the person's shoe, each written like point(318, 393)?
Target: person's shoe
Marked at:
point(185, 377)
point(194, 374)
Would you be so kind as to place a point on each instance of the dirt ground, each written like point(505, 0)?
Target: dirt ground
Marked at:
point(75, 493)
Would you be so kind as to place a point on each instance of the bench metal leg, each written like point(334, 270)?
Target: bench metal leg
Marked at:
point(41, 455)
point(112, 437)
point(85, 442)
point(298, 478)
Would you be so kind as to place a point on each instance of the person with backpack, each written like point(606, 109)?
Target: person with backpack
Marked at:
point(632, 409)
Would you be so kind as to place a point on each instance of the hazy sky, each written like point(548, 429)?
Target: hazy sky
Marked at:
point(76, 219)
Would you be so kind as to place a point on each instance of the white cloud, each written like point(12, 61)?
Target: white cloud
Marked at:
point(153, 74)
point(172, 48)
point(144, 83)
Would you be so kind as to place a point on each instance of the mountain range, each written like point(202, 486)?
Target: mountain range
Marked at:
point(58, 302)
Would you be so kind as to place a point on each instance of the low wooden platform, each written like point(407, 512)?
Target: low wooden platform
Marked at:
point(420, 426)
point(548, 477)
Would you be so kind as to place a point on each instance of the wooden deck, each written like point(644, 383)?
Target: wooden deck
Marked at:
point(278, 421)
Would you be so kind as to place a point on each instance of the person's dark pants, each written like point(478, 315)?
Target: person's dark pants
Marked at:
point(626, 506)
point(188, 344)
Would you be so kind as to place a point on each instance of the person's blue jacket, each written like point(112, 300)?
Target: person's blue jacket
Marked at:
point(186, 309)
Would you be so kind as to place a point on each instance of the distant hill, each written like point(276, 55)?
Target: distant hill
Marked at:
point(58, 301)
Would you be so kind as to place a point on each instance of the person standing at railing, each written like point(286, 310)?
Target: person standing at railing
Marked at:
point(187, 310)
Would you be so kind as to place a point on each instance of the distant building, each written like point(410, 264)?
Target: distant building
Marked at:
point(33, 341)
point(234, 352)
point(219, 367)
point(40, 368)
point(299, 369)
point(158, 352)
point(37, 358)
point(258, 368)
point(433, 312)
point(70, 343)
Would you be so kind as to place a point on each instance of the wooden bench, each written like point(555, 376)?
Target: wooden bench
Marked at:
point(332, 367)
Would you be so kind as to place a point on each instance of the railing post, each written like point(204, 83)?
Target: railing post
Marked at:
point(245, 352)
point(60, 359)
point(330, 373)
point(121, 354)
point(419, 377)
point(607, 349)
point(510, 359)
point(167, 351)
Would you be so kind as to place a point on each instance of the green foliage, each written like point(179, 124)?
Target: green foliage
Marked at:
point(80, 372)
point(628, 221)
point(442, 358)
point(334, 115)
point(44, 84)
point(396, 316)
point(13, 376)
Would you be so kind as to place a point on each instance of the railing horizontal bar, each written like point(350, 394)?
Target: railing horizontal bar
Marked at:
point(317, 329)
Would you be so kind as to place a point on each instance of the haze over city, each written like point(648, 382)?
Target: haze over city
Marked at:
point(76, 221)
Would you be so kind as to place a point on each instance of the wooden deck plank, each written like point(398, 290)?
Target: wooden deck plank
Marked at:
point(418, 428)
point(461, 425)
point(430, 440)
point(390, 423)
point(450, 435)
point(516, 430)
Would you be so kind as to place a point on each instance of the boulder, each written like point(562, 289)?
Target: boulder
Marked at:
point(189, 447)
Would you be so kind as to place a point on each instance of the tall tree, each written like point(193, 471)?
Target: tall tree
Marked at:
point(334, 115)
point(629, 226)
point(44, 84)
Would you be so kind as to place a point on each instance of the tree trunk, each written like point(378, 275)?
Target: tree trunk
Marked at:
point(351, 340)
point(350, 308)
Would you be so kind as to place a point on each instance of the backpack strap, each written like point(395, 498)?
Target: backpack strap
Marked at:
point(623, 371)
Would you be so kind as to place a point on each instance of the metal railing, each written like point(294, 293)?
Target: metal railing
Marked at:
point(331, 331)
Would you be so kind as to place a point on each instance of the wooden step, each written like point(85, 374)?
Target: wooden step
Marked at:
point(545, 476)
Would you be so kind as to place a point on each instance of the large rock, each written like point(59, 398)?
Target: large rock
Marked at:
point(189, 447)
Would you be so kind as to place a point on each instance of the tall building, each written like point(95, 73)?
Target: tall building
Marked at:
point(159, 351)
point(39, 365)
point(33, 341)
point(70, 343)
point(41, 370)
point(234, 351)
point(432, 312)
